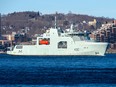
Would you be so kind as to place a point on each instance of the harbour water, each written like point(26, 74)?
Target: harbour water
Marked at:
point(55, 71)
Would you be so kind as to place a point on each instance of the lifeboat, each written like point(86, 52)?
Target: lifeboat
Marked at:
point(43, 42)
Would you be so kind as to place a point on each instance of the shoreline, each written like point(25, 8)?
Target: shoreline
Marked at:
point(113, 51)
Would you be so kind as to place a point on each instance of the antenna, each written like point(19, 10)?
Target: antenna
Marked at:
point(55, 22)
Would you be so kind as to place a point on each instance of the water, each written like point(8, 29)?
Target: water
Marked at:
point(55, 71)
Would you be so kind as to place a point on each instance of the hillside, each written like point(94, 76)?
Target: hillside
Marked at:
point(36, 22)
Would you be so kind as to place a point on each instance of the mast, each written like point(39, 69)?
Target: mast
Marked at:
point(55, 22)
point(71, 28)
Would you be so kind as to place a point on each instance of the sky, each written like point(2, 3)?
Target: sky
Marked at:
point(98, 8)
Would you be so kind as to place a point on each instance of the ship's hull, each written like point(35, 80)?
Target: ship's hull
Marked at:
point(78, 48)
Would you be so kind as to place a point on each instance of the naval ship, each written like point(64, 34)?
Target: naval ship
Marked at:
point(55, 42)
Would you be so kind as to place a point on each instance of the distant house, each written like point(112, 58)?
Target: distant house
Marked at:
point(94, 22)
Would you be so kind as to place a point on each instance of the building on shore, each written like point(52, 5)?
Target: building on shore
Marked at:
point(107, 33)
point(92, 23)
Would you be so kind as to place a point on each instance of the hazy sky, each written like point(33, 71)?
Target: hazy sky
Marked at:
point(106, 8)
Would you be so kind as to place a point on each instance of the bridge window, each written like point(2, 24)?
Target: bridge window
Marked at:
point(62, 44)
point(19, 47)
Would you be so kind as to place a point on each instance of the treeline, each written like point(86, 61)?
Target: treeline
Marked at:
point(36, 22)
